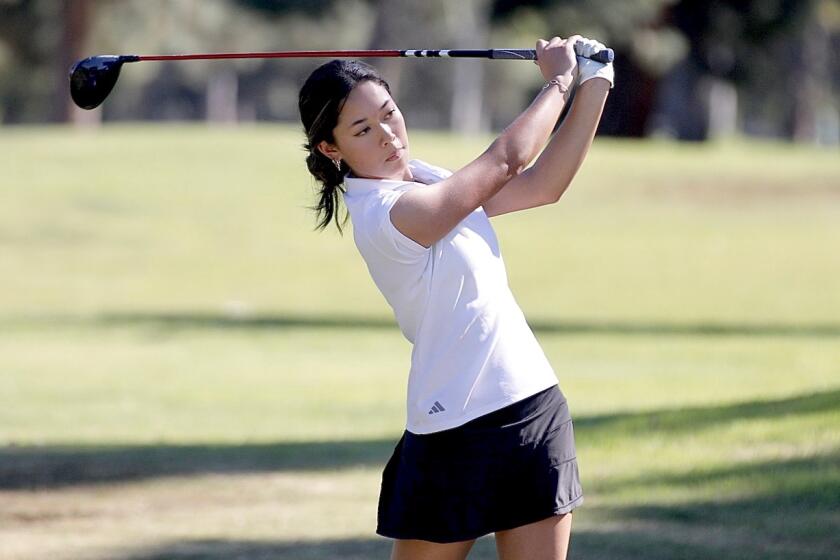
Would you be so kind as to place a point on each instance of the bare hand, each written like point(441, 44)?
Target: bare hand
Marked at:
point(556, 57)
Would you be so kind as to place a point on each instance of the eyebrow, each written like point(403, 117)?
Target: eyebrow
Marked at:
point(354, 123)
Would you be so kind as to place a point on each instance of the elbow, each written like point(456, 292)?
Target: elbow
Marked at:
point(556, 194)
point(563, 185)
point(553, 194)
point(509, 160)
point(551, 198)
point(518, 161)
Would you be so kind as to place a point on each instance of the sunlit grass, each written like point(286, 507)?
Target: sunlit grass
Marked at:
point(188, 370)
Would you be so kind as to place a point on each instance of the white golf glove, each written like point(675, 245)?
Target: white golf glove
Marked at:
point(587, 68)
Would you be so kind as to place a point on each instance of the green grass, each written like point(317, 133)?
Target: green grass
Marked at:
point(188, 370)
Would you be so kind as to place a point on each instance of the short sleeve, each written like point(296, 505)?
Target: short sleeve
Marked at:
point(385, 237)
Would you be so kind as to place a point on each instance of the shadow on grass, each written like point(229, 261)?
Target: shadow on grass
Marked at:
point(24, 467)
point(755, 528)
point(660, 542)
point(212, 549)
point(620, 544)
point(808, 481)
point(29, 467)
point(209, 320)
point(762, 509)
point(693, 419)
point(346, 549)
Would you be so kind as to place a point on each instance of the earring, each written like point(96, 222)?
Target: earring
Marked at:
point(337, 163)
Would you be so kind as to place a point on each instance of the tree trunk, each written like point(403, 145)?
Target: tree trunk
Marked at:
point(809, 80)
point(682, 107)
point(75, 16)
point(222, 97)
point(386, 32)
point(629, 105)
point(469, 21)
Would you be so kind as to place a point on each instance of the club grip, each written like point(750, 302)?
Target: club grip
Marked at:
point(603, 56)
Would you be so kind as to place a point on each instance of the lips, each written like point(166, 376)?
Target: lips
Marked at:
point(394, 155)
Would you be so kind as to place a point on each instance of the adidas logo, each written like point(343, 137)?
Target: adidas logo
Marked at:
point(437, 408)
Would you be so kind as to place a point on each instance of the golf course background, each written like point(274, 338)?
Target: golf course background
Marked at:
point(188, 370)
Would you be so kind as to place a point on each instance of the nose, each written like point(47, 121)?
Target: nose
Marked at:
point(388, 135)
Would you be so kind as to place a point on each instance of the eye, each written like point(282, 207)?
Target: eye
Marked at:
point(362, 132)
point(389, 113)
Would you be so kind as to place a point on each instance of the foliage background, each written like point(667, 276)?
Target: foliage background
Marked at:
point(686, 69)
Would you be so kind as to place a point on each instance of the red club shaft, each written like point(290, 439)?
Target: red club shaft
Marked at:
point(282, 54)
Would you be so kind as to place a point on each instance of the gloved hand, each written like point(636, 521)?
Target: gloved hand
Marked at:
point(587, 68)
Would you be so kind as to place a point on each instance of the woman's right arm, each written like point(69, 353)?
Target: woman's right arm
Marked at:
point(426, 215)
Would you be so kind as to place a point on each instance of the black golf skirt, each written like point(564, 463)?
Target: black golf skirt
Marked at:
point(511, 467)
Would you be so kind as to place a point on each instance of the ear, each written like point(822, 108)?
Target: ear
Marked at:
point(329, 150)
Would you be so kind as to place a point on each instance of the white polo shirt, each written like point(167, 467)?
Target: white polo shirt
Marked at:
point(473, 351)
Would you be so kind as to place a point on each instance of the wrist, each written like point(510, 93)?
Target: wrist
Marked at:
point(597, 83)
point(564, 82)
point(589, 70)
point(568, 78)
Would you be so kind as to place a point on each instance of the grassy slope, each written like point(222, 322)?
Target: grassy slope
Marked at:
point(187, 370)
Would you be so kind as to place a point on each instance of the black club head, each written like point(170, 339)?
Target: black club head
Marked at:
point(92, 79)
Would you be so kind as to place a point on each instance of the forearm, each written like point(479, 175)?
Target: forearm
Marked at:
point(557, 165)
point(523, 139)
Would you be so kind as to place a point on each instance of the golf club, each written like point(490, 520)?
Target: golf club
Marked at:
point(92, 79)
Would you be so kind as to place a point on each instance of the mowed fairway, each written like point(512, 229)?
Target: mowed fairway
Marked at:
point(189, 371)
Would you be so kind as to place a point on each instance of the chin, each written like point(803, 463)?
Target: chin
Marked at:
point(404, 174)
point(393, 170)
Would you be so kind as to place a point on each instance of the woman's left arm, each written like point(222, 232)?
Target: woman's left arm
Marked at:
point(545, 181)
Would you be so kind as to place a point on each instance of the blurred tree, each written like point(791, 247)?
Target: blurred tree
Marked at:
point(423, 87)
point(28, 32)
point(469, 21)
point(75, 16)
point(433, 93)
point(175, 90)
point(808, 68)
point(281, 8)
point(220, 91)
point(644, 47)
point(680, 63)
point(690, 69)
point(300, 25)
point(728, 41)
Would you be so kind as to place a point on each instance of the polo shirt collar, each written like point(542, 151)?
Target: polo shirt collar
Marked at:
point(358, 184)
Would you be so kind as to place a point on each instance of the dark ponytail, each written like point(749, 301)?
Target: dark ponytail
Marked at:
point(320, 101)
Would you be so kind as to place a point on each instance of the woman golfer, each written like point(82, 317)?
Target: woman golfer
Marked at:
point(488, 445)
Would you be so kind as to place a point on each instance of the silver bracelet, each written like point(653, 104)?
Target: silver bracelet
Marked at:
point(564, 89)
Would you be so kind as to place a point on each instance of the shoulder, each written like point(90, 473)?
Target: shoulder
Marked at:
point(426, 172)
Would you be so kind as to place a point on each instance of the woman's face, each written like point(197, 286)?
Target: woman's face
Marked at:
point(370, 135)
